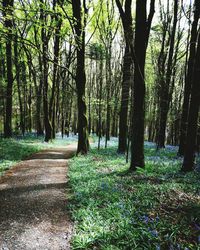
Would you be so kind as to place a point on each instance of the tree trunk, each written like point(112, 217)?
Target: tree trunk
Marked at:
point(123, 118)
point(189, 155)
point(7, 12)
point(165, 98)
point(142, 29)
point(108, 86)
point(126, 17)
point(18, 70)
point(52, 103)
point(100, 102)
point(188, 82)
point(47, 124)
point(79, 26)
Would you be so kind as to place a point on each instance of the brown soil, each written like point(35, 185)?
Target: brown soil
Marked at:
point(33, 203)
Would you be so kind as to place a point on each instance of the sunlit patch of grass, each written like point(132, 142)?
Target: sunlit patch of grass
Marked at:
point(19, 148)
point(154, 208)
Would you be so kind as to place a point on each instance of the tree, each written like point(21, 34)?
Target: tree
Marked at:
point(8, 23)
point(127, 22)
point(142, 31)
point(188, 80)
point(191, 139)
point(18, 70)
point(45, 68)
point(79, 14)
point(165, 95)
point(55, 80)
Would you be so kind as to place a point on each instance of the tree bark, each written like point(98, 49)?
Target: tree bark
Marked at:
point(188, 82)
point(139, 56)
point(18, 70)
point(165, 97)
point(189, 155)
point(100, 101)
point(52, 103)
point(79, 26)
point(45, 68)
point(126, 17)
point(8, 23)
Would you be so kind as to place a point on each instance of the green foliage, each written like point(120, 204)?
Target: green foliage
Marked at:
point(97, 51)
point(155, 208)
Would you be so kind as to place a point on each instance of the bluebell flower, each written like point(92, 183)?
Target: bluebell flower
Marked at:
point(171, 148)
point(104, 186)
point(79, 195)
point(120, 205)
point(145, 218)
point(157, 218)
point(199, 239)
point(151, 220)
point(197, 226)
point(154, 233)
point(149, 144)
point(158, 247)
point(171, 247)
point(126, 212)
point(132, 221)
point(114, 189)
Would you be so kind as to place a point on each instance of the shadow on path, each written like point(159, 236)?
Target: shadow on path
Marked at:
point(33, 203)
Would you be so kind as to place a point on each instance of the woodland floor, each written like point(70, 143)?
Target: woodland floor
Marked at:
point(33, 202)
point(93, 201)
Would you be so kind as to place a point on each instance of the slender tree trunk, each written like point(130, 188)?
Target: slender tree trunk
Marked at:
point(126, 17)
point(78, 13)
point(123, 120)
point(188, 82)
point(25, 101)
point(142, 30)
point(7, 12)
point(166, 91)
point(89, 98)
point(108, 85)
point(2, 91)
point(29, 108)
point(47, 124)
point(18, 69)
point(38, 110)
point(100, 102)
point(189, 155)
point(52, 103)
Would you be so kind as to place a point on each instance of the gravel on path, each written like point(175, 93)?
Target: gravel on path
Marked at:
point(33, 203)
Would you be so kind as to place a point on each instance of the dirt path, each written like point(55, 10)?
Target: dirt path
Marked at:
point(33, 203)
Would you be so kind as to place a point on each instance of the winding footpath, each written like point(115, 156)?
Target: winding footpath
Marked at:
point(33, 203)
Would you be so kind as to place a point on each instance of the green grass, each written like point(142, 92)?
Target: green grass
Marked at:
point(155, 208)
point(15, 150)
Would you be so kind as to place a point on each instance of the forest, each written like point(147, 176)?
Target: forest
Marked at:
point(99, 124)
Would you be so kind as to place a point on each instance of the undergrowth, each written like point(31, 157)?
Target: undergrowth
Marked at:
point(154, 208)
